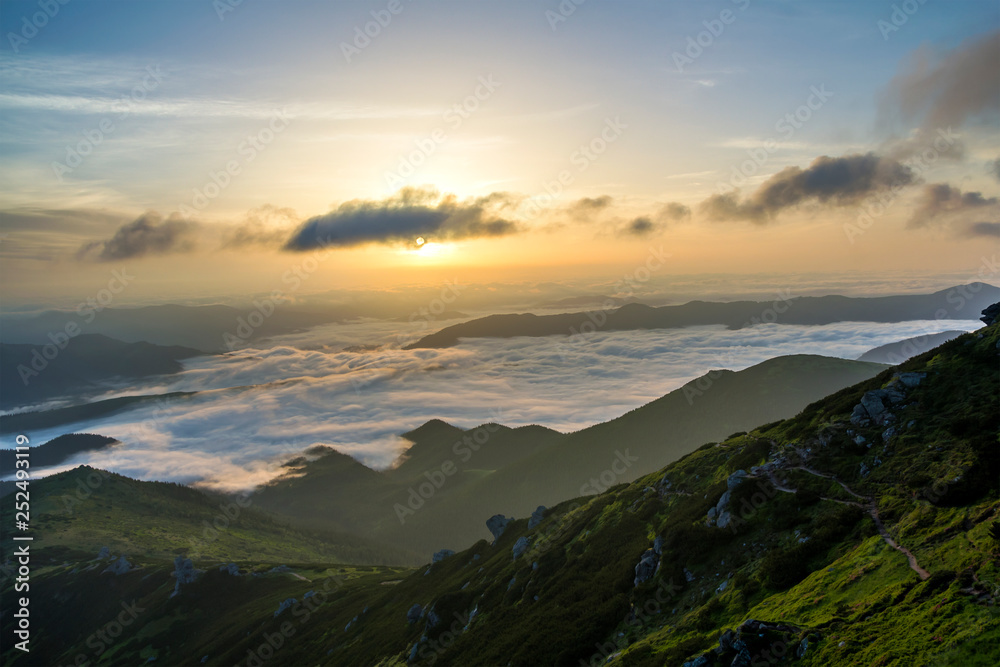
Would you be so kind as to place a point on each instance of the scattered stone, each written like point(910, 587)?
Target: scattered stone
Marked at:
point(441, 555)
point(688, 575)
point(104, 553)
point(120, 566)
point(734, 480)
point(658, 545)
point(991, 314)
point(911, 380)
point(520, 546)
point(536, 517)
point(184, 572)
point(231, 568)
point(888, 433)
point(432, 619)
point(859, 440)
point(415, 613)
point(497, 524)
point(285, 604)
point(722, 586)
point(648, 564)
point(510, 585)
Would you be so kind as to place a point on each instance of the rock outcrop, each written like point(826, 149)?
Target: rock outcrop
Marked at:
point(536, 517)
point(497, 524)
point(120, 566)
point(285, 604)
point(184, 572)
point(441, 555)
point(415, 613)
point(648, 564)
point(991, 314)
point(520, 547)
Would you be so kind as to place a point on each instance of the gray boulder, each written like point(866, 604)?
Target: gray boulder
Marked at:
point(649, 562)
point(285, 604)
point(441, 555)
point(497, 524)
point(520, 546)
point(911, 380)
point(231, 568)
point(120, 566)
point(734, 480)
point(991, 314)
point(536, 517)
point(105, 552)
point(658, 545)
point(184, 572)
point(859, 417)
point(874, 404)
point(415, 613)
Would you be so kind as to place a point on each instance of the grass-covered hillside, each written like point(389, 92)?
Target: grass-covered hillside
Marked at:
point(816, 540)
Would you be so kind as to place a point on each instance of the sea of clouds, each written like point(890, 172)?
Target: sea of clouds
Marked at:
point(258, 407)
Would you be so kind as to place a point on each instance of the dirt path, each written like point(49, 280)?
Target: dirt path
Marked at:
point(870, 506)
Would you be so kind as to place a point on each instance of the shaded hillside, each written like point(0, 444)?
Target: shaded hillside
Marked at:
point(900, 351)
point(86, 509)
point(55, 451)
point(200, 327)
point(960, 302)
point(851, 537)
point(86, 363)
point(450, 481)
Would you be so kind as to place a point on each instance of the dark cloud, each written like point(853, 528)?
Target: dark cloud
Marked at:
point(267, 226)
point(408, 214)
point(642, 226)
point(994, 168)
point(938, 91)
point(839, 181)
point(940, 199)
point(646, 224)
point(148, 234)
point(674, 212)
point(979, 229)
point(591, 204)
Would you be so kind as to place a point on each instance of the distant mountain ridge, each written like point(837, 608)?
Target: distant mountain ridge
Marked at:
point(901, 350)
point(442, 489)
point(33, 373)
point(959, 302)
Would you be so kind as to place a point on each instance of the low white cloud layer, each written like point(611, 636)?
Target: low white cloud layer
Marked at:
point(259, 407)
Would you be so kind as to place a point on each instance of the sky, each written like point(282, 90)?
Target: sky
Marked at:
point(210, 147)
